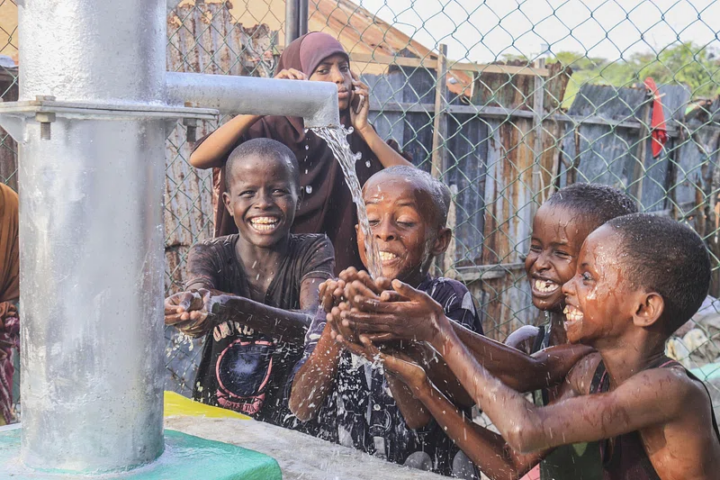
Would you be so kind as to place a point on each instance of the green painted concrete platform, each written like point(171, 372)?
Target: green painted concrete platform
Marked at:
point(186, 458)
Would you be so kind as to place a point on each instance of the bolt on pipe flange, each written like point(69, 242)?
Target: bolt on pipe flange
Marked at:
point(191, 129)
point(45, 118)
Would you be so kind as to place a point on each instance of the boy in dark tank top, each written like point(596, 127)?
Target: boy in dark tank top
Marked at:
point(639, 278)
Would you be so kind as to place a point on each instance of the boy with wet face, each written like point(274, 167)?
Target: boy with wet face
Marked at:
point(355, 402)
point(247, 293)
point(639, 277)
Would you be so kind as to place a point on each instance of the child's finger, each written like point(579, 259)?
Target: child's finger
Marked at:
point(407, 291)
point(392, 296)
point(381, 337)
point(348, 274)
point(172, 319)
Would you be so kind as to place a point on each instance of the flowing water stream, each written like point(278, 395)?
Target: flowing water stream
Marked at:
point(336, 138)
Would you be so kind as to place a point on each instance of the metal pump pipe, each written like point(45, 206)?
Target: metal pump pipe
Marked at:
point(95, 108)
point(316, 102)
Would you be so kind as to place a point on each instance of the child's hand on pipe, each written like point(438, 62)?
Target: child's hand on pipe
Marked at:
point(290, 74)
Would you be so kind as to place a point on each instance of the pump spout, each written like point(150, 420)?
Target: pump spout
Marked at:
point(315, 102)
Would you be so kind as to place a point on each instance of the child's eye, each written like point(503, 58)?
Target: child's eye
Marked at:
point(406, 224)
point(586, 277)
point(344, 68)
point(562, 254)
point(535, 248)
point(373, 221)
point(280, 191)
point(322, 71)
point(246, 193)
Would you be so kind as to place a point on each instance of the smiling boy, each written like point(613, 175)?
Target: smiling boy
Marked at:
point(639, 278)
point(247, 293)
point(355, 402)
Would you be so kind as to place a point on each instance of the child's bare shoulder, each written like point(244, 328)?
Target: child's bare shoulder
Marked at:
point(580, 377)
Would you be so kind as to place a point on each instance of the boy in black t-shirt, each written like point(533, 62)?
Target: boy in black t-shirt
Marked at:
point(247, 293)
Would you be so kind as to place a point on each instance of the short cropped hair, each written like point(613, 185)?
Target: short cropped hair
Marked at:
point(438, 191)
point(265, 148)
point(598, 203)
point(667, 257)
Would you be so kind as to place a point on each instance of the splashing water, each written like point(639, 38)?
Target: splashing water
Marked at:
point(336, 138)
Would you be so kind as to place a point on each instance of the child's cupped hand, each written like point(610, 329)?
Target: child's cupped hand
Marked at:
point(189, 311)
point(403, 313)
point(332, 292)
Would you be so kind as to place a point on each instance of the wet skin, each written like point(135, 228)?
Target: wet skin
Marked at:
point(403, 220)
point(678, 437)
point(558, 235)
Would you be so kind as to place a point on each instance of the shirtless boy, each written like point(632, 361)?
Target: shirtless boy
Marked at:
point(248, 293)
point(639, 277)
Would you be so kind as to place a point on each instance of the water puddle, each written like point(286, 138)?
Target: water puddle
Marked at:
point(336, 138)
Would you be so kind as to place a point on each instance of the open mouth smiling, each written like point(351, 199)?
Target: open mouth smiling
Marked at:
point(572, 315)
point(387, 258)
point(264, 224)
point(543, 287)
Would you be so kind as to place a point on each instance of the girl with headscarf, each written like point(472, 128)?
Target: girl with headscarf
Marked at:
point(9, 294)
point(326, 206)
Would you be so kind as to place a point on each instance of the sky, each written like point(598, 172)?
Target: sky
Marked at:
point(482, 31)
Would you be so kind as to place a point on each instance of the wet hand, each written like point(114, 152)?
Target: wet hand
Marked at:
point(290, 74)
point(359, 104)
point(331, 293)
point(189, 311)
point(405, 313)
point(398, 364)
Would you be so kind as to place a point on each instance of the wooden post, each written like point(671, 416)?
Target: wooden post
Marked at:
point(439, 148)
point(639, 169)
point(538, 114)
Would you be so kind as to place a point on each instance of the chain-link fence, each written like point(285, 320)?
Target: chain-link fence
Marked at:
point(505, 101)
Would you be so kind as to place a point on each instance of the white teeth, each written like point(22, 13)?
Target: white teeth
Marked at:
point(545, 286)
point(264, 223)
point(572, 314)
point(387, 256)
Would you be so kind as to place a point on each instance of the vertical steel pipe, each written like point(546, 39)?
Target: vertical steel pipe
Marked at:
point(91, 236)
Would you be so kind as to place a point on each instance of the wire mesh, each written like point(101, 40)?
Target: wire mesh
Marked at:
point(505, 101)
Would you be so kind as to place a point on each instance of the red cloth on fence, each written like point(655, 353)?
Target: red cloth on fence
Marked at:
point(658, 129)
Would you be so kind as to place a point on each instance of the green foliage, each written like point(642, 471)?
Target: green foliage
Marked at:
point(679, 64)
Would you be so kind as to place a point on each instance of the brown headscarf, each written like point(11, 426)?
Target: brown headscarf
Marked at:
point(325, 204)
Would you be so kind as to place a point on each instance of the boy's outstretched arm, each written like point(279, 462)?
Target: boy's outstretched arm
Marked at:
point(520, 371)
point(202, 308)
point(486, 449)
point(314, 380)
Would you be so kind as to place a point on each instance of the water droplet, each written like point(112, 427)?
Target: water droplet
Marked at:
point(308, 189)
point(307, 147)
point(367, 164)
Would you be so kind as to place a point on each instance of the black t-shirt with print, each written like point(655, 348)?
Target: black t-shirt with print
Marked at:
point(242, 369)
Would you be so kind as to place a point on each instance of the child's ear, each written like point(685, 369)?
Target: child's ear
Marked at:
point(650, 308)
point(226, 201)
point(441, 242)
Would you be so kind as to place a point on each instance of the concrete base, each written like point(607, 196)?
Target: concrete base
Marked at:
point(185, 457)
